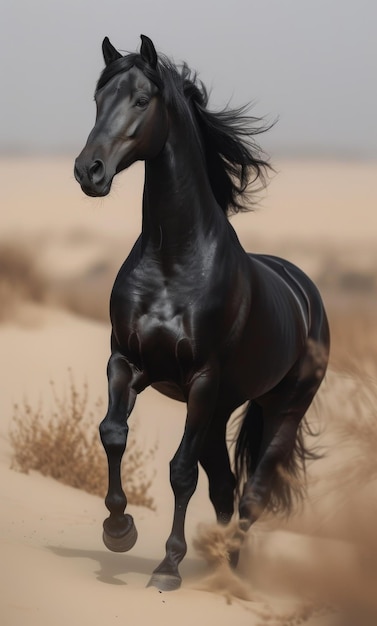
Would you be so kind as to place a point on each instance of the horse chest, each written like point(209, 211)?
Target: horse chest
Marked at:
point(155, 333)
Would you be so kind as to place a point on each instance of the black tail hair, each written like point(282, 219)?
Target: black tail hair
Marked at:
point(288, 482)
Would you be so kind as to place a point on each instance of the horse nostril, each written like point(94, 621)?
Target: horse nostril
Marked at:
point(96, 171)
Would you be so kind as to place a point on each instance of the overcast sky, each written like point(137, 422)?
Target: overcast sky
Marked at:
point(312, 63)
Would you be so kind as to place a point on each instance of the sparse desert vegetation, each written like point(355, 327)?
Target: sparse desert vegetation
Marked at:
point(62, 442)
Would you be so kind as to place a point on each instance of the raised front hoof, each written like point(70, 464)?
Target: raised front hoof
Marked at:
point(122, 537)
point(165, 582)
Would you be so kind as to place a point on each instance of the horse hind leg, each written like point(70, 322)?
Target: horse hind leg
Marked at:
point(266, 488)
point(214, 459)
point(275, 479)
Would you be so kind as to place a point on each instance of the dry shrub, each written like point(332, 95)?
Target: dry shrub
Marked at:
point(64, 444)
point(20, 279)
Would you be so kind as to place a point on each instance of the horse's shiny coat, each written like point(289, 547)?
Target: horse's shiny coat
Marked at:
point(192, 313)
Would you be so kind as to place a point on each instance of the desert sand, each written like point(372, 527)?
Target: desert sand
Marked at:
point(55, 569)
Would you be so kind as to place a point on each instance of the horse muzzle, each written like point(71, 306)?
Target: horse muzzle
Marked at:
point(92, 178)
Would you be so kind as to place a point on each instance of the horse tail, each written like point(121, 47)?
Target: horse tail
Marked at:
point(287, 482)
point(248, 444)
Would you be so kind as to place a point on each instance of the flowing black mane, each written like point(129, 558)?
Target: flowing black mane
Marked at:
point(235, 162)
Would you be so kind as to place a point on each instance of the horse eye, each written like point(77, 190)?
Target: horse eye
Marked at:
point(142, 102)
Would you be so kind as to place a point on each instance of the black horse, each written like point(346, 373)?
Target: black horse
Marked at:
point(192, 313)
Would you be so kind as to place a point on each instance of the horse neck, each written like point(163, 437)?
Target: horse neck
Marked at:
point(179, 207)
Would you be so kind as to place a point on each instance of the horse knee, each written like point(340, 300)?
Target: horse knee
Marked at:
point(113, 435)
point(253, 501)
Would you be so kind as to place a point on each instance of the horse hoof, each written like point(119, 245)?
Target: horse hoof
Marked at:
point(121, 541)
point(165, 582)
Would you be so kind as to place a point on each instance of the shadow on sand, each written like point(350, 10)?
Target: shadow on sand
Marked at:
point(112, 565)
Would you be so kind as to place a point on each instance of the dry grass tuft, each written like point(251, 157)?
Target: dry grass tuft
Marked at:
point(64, 444)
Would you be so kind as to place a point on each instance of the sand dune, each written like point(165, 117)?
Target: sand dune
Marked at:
point(55, 569)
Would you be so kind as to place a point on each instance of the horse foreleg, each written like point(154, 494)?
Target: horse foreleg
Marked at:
point(119, 532)
point(184, 476)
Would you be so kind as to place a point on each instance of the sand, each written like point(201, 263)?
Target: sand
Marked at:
point(55, 569)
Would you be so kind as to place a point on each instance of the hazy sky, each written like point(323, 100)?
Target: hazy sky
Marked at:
point(312, 63)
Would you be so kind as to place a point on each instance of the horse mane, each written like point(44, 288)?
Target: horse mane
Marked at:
point(235, 162)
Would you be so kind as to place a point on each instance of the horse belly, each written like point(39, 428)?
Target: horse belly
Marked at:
point(170, 389)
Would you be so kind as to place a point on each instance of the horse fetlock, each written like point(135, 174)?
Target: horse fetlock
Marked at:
point(223, 516)
point(116, 502)
point(250, 508)
point(176, 548)
point(167, 571)
point(223, 501)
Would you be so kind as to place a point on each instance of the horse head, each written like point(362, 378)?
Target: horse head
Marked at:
point(131, 121)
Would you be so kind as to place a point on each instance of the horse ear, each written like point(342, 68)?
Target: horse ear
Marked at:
point(110, 53)
point(148, 51)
